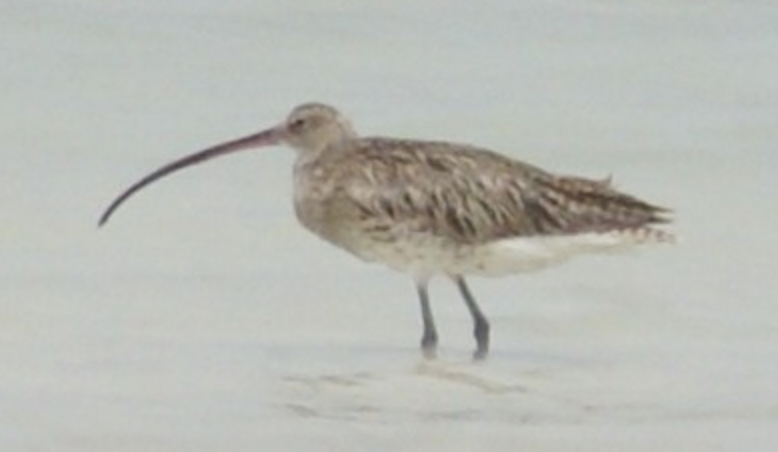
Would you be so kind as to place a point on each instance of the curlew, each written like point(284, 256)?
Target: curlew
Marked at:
point(429, 208)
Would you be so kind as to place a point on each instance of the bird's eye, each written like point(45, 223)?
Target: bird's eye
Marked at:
point(297, 124)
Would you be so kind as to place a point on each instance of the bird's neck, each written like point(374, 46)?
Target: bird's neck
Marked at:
point(312, 158)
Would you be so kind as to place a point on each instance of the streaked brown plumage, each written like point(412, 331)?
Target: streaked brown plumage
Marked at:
point(429, 208)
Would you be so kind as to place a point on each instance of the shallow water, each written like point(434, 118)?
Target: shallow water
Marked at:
point(204, 318)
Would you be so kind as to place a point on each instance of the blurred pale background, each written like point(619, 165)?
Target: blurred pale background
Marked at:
point(204, 318)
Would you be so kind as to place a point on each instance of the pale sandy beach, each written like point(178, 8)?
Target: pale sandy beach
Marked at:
point(204, 318)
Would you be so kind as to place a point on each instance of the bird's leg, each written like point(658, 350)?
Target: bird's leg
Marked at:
point(480, 324)
point(429, 339)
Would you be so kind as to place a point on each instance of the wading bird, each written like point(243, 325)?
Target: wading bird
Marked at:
point(428, 208)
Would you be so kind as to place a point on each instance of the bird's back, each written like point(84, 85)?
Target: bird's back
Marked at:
point(380, 192)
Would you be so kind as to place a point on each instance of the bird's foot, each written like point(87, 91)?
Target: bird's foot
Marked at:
point(481, 334)
point(480, 354)
point(429, 345)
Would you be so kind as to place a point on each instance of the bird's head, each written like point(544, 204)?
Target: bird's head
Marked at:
point(314, 127)
point(310, 127)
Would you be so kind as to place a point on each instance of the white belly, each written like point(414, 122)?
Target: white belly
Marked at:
point(423, 256)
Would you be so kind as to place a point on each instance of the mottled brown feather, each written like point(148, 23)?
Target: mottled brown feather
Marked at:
point(471, 196)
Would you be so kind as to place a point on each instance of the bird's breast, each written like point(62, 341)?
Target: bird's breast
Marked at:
point(311, 193)
point(321, 205)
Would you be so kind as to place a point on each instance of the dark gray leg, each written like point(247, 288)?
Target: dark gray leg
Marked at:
point(429, 339)
point(480, 324)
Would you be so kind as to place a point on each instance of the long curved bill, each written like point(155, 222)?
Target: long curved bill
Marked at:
point(266, 138)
